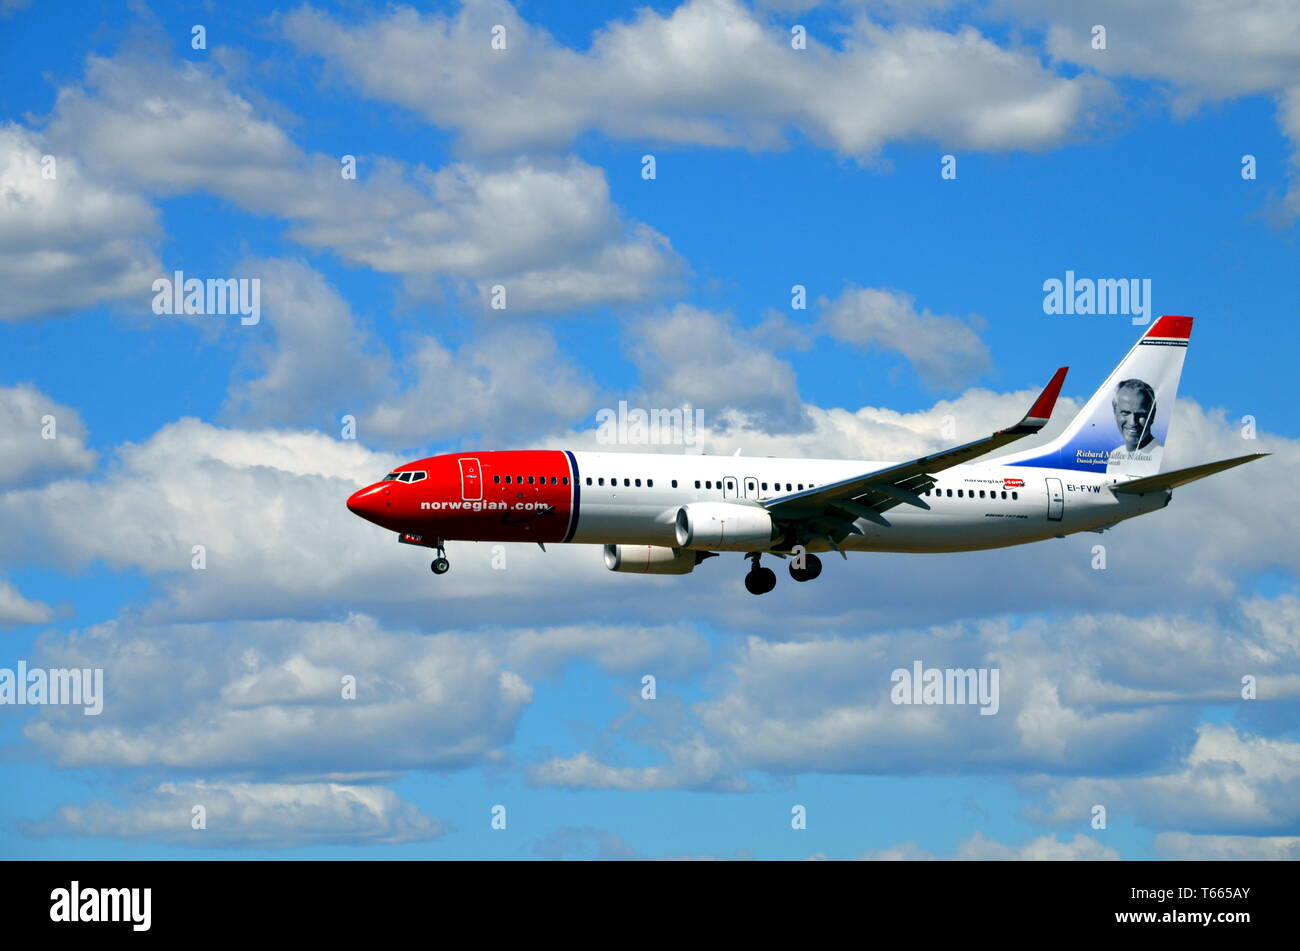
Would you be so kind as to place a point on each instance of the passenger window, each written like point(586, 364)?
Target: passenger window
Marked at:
point(764, 486)
point(638, 483)
point(530, 480)
point(959, 494)
point(588, 480)
point(627, 482)
point(1004, 495)
point(507, 480)
point(649, 483)
point(674, 483)
point(800, 486)
point(564, 480)
point(496, 479)
point(1015, 495)
point(552, 480)
point(981, 493)
point(697, 483)
point(601, 480)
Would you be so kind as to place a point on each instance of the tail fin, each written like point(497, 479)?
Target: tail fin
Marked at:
point(1122, 429)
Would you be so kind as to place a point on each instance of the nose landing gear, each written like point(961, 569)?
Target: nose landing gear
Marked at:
point(440, 565)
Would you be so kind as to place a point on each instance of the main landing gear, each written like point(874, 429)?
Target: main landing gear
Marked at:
point(812, 567)
point(761, 580)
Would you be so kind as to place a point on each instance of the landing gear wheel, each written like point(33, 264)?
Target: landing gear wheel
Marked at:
point(440, 565)
point(760, 580)
point(812, 567)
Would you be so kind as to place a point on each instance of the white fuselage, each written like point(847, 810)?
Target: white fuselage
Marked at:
point(631, 499)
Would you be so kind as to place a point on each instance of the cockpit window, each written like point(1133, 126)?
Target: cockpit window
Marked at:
point(391, 477)
point(405, 477)
point(418, 476)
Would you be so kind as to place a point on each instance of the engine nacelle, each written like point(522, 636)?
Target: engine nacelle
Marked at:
point(650, 559)
point(724, 526)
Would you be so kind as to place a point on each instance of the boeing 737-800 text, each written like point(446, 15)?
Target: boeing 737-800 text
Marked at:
point(664, 514)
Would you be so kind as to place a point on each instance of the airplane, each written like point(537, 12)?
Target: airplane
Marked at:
point(663, 514)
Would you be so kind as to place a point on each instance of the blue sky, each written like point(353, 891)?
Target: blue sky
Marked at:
point(774, 167)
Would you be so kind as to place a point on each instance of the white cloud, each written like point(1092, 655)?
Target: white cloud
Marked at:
point(710, 72)
point(697, 357)
point(663, 650)
point(249, 816)
point(1184, 847)
point(945, 352)
point(693, 764)
point(26, 455)
point(15, 610)
point(506, 384)
point(1078, 695)
point(319, 364)
point(1289, 118)
point(545, 229)
point(321, 361)
point(267, 698)
point(1228, 782)
point(585, 843)
point(174, 128)
point(69, 242)
point(980, 848)
point(1206, 48)
point(1203, 49)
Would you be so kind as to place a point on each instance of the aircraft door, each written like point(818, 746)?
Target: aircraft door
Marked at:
point(729, 487)
point(1055, 500)
point(471, 483)
point(751, 487)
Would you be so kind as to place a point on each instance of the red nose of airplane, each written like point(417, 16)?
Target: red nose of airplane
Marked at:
point(369, 502)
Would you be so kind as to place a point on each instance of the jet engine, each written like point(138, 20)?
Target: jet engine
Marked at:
point(650, 559)
point(724, 526)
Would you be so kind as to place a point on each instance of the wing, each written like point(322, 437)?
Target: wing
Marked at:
point(829, 511)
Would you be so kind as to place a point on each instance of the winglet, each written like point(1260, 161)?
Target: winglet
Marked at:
point(1041, 411)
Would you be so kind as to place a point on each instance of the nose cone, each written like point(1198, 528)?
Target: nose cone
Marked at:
point(368, 503)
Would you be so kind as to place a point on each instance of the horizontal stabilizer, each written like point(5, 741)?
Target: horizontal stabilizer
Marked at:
point(1168, 480)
